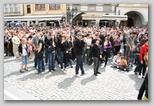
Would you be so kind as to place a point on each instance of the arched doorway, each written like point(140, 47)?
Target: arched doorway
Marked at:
point(77, 20)
point(135, 19)
point(130, 22)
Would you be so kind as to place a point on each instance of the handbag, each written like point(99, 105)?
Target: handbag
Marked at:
point(40, 54)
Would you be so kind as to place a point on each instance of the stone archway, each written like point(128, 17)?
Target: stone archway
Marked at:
point(77, 20)
point(135, 19)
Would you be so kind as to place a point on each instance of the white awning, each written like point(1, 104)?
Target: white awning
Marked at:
point(104, 17)
point(38, 17)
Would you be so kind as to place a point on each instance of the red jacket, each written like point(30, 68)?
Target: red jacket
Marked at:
point(143, 51)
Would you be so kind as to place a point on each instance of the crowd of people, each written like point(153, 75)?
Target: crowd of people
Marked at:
point(84, 45)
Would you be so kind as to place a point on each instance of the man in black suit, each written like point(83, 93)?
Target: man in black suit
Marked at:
point(78, 49)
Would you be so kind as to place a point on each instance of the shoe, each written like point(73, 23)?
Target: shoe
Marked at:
point(38, 73)
point(124, 69)
point(21, 71)
point(135, 73)
point(43, 70)
point(143, 76)
point(71, 66)
point(59, 65)
point(83, 74)
point(95, 74)
point(62, 69)
point(98, 73)
point(26, 69)
point(139, 76)
point(49, 70)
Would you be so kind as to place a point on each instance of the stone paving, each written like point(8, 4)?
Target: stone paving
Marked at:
point(111, 84)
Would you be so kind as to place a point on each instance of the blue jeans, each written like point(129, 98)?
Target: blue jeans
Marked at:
point(24, 59)
point(61, 58)
point(40, 63)
point(51, 56)
point(79, 64)
point(131, 56)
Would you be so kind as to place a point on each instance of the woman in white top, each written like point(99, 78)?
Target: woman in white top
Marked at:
point(23, 51)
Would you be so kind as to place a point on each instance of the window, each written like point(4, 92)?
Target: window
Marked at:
point(16, 7)
point(39, 6)
point(28, 9)
point(54, 6)
point(6, 8)
point(11, 7)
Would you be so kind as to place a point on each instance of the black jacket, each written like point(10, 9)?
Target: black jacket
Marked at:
point(78, 46)
point(143, 88)
point(96, 51)
point(20, 48)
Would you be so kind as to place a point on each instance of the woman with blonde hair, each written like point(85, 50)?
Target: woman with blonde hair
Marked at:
point(23, 51)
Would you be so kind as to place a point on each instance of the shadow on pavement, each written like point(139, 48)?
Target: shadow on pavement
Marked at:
point(13, 73)
point(87, 80)
point(66, 82)
point(32, 76)
point(55, 73)
point(138, 81)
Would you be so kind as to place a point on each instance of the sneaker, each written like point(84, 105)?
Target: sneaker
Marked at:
point(71, 66)
point(59, 65)
point(139, 76)
point(26, 69)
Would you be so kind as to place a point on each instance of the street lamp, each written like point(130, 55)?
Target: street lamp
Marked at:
point(71, 13)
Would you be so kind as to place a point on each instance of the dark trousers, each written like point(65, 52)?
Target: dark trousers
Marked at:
point(96, 64)
point(138, 67)
point(105, 54)
point(46, 56)
point(35, 59)
point(88, 52)
point(143, 68)
point(79, 64)
point(117, 49)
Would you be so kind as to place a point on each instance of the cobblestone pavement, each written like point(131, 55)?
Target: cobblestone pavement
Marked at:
point(111, 84)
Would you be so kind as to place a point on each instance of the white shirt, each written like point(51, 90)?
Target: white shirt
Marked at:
point(24, 52)
point(88, 41)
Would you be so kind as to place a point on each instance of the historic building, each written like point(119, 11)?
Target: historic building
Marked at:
point(93, 14)
point(137, 14)
point(41, 15)
point(12, 10)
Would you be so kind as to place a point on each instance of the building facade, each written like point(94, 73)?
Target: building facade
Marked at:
point(12, 10)
point(93, 14)
point(137, 14)
point(41, 15)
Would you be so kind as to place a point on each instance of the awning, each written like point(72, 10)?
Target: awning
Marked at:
point(38, 17)
point(100, 16)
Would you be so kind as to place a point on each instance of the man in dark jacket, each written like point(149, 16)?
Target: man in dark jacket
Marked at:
point(97, 54)
point(78, 49)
